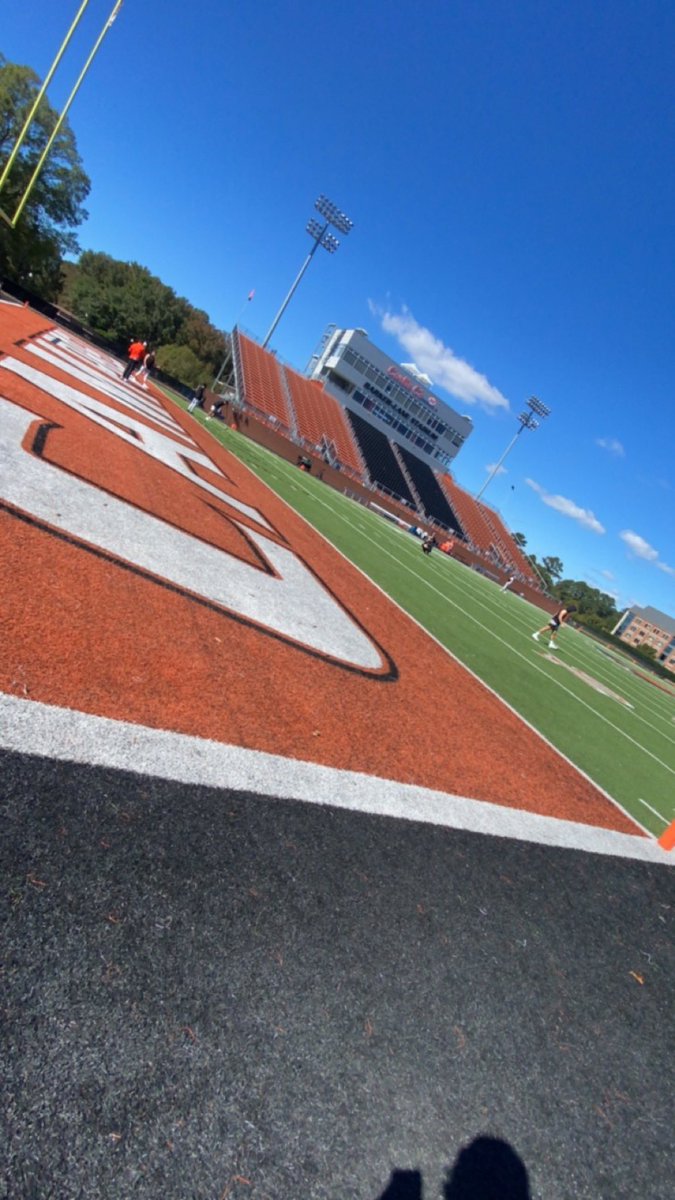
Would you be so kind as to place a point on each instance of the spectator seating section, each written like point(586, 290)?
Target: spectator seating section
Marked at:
point(436, 503)
point(504, 539)
point(379, 457)
point(319, 415)
point(486, 530)
point(470, 516)
point(262, 385)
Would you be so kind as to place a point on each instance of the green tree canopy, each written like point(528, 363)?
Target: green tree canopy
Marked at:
point(589, 600)
point(31, 253)
point(183, 364)
point(519, 539)
point(122, 300)
point(553, 565)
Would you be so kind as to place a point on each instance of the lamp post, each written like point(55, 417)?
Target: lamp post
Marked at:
point(319, 232)
point(528, 420)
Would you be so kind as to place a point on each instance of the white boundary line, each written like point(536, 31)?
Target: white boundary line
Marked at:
point(463, 665)
point(32, 728)
point(655, 811)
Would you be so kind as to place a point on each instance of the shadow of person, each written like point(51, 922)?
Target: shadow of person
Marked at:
point(487, 1169)
point(403, 1185)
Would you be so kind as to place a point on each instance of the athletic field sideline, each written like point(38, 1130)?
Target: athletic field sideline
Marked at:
point(614, 725)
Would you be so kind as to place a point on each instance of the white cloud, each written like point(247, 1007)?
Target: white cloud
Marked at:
point(500, 470)
point(436, 359)
point(568, 508)
point(639, 547)
point(612, 446)
point(608, 575)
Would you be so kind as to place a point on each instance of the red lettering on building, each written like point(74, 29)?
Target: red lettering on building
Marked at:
point(407, 383)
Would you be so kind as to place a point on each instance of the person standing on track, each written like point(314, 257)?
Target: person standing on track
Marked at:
point(147, 369)
point(135, 356)
point(554, 624)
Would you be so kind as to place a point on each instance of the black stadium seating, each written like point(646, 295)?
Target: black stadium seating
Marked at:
point(436, 505)
point(379, 457)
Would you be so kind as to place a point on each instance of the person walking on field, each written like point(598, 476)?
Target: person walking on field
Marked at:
point(554, 624)
point(135, 356)
point(505, 586)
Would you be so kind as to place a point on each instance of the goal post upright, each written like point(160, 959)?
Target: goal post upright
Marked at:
point(12, 221)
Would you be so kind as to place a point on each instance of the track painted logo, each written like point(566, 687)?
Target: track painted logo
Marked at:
point(269, 586)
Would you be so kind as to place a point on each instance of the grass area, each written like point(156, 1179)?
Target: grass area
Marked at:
point(624, 739)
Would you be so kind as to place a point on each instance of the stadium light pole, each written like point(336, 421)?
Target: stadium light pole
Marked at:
point(528, 420)
point(321, 237)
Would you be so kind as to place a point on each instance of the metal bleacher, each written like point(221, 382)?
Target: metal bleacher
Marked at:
point(262, 385)
point(435, 502)
point(379, 458)
point(321, 420)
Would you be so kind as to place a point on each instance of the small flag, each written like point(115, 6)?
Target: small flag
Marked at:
point(251, 295)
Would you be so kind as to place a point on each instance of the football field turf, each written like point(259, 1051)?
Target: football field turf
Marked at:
point(591, 704)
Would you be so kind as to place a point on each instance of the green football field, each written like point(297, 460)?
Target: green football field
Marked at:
point(586, 699)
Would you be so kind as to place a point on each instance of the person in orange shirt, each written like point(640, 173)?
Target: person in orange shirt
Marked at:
point(135, 356)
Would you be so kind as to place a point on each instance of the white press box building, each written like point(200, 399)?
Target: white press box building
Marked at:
point(396, 398)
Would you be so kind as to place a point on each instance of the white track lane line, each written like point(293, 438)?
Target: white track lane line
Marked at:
point(33, 728)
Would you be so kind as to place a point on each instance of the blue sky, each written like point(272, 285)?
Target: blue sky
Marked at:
point(509, 169)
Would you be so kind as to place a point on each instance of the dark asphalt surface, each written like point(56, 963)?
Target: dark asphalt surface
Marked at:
point(208, 995)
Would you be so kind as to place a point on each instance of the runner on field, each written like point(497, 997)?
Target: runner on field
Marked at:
point(554, 624)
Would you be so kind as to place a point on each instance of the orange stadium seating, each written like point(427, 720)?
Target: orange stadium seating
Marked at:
point(319, 415)
point(506, 543)
point(486, 530)
point(262, 385)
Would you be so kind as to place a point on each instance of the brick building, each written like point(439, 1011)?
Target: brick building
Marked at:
point(648, 626)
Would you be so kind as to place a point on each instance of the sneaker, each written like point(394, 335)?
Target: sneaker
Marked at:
point(552, 646)
point(535, 636)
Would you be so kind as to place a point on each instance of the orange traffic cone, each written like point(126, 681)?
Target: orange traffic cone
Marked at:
point(667, 839)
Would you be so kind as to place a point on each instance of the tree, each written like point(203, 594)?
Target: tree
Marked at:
point(183, 364)
point(122, 300)
point(31, 253)
point(594, 607)
point(205, 341)
point(553, 566)
point(519, 539)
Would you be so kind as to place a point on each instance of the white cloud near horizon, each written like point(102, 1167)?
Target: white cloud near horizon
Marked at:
point(500, 470)
point(612, 446)
point(449, 372)
point(639, 547)
point(568, 508)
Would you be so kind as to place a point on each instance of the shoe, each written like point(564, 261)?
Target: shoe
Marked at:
point(552, 646)
point(535, 636)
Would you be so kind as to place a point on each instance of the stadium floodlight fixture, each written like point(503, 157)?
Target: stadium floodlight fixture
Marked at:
point(320, 235)
point(526, 420)
point(333, 214)
point(318, 232)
